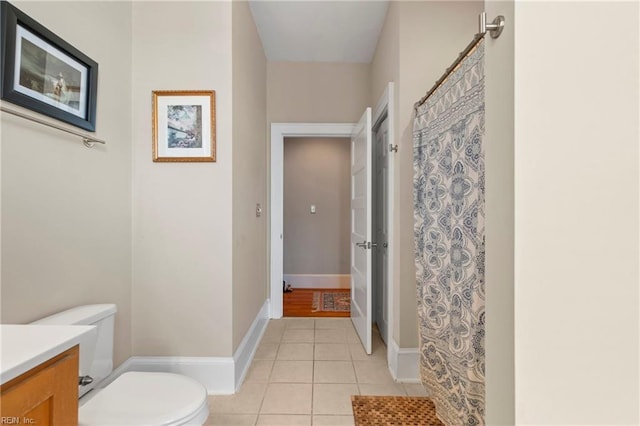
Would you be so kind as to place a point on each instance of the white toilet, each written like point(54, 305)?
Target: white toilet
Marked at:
point(133, 398)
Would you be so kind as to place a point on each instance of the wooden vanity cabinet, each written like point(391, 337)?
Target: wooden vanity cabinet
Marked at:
point(45, 395)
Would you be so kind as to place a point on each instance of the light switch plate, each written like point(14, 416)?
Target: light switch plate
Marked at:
point(258, 210)
point(313, 209)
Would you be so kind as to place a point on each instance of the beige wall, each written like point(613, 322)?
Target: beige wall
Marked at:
point(301, 92)
point(432, 34)
point(429, 36)
point(249, 171)
point(317, 171)
point(499, 220)
point(182, 221)
point(66, 209)
point(385, 68)
point(576, 214)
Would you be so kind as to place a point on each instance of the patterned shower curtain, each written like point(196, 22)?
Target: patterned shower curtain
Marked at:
point(448, 162)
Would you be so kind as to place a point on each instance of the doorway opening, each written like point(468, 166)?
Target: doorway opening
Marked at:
point(361, 143)
point(316, 246)
point(278, 134)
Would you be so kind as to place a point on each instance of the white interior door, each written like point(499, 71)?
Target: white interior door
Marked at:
point(361, 290)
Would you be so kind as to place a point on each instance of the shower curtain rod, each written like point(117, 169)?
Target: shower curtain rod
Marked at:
point(466, 52)
point(494, 29)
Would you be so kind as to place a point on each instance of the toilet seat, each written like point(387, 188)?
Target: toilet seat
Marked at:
point(144, 399)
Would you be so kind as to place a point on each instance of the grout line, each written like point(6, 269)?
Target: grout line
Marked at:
point(313, 370)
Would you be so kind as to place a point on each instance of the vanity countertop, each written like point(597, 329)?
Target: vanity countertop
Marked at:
point(25, 346)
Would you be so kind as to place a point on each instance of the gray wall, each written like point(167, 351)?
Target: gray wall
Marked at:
point(316, 171)
point(499, 221)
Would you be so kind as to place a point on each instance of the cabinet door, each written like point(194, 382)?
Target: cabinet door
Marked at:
point(45, 395)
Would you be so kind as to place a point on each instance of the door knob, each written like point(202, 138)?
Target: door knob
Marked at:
point(362, 244)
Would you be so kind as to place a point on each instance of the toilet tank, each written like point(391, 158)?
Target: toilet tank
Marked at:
point(96, 352)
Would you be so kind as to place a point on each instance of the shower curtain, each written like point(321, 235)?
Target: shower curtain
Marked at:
point(448, 162)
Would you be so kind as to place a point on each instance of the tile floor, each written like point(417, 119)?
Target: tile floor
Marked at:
point(304, 373)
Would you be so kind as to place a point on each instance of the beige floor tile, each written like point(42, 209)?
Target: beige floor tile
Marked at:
point(300, 323)
point(231, 420)
point(378, 353)
point(272, 335)
point(415, 389)
point(292, 372)
point(351, 335)
point(283, 420)
point(298, 335)
point(333, 323)
point(266, 351)
point(287, 398)
point(295, 352)
point(372, 372)
point(333, 372)
point(331, 335)
point(332, 352)
point(333, 421)
point(276, 322)
point(390, 389)
point(333, 398)
point(259, 371)
point(246, 401)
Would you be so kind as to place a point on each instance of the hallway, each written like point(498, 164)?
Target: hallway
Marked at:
point(304, 373)
point(300, 303)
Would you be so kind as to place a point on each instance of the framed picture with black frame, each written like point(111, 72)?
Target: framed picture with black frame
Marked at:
point(42, 72)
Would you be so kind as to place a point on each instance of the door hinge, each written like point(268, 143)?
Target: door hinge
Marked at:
point(393, 148)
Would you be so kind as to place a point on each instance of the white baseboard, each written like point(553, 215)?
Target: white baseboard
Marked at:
point(247, 348)
point(220, 375)
point(403, 363)
point(318, 281)
point(215, 373)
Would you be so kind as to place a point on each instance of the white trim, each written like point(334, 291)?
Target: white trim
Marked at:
point(215, 373)
point(386, 105)
point(318, 280)
point(247, 348)
point(278, 132)
point(220, 375)
point(403, 363)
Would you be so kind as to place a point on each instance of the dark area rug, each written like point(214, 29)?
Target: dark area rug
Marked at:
point(394, 411)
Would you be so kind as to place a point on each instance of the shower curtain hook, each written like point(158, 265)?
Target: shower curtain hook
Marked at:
point(494, 28)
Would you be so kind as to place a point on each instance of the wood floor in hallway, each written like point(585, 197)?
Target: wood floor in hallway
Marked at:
point(298, 303)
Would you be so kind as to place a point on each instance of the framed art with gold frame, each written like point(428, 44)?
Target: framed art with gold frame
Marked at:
point(184, 125)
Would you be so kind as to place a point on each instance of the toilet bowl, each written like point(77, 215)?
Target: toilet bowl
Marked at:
point(133, 398)
point(142, 399)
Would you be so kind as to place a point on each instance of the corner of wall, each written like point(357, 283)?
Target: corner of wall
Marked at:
point(249, 177)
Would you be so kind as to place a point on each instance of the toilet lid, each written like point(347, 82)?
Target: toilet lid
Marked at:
point(137, 398)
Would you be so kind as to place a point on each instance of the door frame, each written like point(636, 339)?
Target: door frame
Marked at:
point(385, 106)
point(279, 131)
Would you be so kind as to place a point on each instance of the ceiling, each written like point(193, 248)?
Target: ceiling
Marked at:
point(319, 31)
